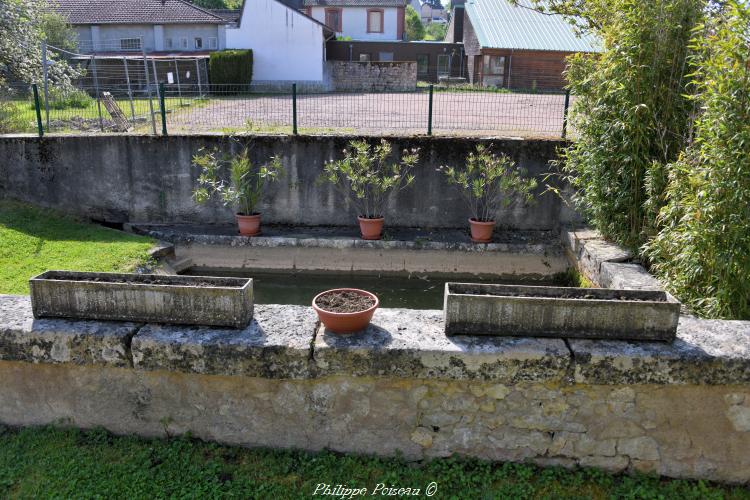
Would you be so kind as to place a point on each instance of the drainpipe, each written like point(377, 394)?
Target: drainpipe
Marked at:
point(510, 66)
point(351, 52)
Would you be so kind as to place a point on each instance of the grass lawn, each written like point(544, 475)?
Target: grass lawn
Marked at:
point(34, 240)
point(62, 463)
point(24, 113)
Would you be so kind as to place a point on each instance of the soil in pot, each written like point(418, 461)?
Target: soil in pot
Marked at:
point(249, 225)
point(345, 302)
point(345, 310)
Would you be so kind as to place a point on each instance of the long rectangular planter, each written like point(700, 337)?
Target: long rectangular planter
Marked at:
point(541, 311)
point(192, 300)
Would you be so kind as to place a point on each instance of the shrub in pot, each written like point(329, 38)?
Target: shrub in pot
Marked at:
point(366, 176)
point(488, 182)
point(243, 189)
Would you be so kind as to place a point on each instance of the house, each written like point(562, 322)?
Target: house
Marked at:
point(287, 44)
point(432, 11)
point(360, 19)
point(174, 26)
point(513, 46)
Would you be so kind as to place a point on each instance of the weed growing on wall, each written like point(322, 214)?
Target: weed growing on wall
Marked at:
point(703, 248)
point(631, 114)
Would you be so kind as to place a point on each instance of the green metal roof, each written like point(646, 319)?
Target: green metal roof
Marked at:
point(502, 25)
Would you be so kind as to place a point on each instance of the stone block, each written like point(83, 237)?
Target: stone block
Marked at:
point(24, 338)
point(412, 343)
point(276, 344)
point(627, 277)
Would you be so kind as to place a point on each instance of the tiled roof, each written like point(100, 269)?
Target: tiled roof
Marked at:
point(355, 3)
point(502, 25)
point(134, 12)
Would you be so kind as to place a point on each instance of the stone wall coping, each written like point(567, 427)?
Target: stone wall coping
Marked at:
point(534, 242)
point(286, 342)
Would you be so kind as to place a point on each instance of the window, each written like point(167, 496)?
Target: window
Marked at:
point(493, 70)
point(333, 19)
point(198, 42)
point(168, 43)
point(375, 20)
point(130, 44)
point(443, 65)
point(364, 58)
point(183, 43)
point(423, 64)
point(385, 56)
point(493, 65)
point(213, 43)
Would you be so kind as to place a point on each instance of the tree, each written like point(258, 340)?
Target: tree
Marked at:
point(435, 31)
point(24, 25)
point(414, 26)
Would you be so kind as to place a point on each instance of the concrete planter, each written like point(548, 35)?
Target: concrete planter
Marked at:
point(540, 311)
point(192, 300)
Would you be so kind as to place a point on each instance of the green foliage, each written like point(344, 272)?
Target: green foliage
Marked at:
point(631, 114)
point(489, 182)
point(245, 184)
point(414, 27)
point(366, 176)
point(703, 248)
point(231, 67)
point(24, 25)
point(218, 4)
point(67, 98)
point(33, 240)
point(435, 31)
point(59, 463)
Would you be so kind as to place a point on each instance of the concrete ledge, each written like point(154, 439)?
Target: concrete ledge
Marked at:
point(413, 344)
point(286, 342)
point(276, 344)
point(627, 277)
point(24, 338)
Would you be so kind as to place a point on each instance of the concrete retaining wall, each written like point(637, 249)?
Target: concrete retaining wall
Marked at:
point(680, 409)
point(150, 179)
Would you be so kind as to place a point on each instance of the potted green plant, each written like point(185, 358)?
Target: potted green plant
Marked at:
point(366, 176)
point(489, 182)
point(242, 190)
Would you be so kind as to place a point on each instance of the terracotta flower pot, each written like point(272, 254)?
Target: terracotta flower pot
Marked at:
point(371, 228)
point(249, 225)
point(481, 232)
point(349, 322)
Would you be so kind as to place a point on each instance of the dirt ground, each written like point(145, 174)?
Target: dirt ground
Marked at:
point(454, 113)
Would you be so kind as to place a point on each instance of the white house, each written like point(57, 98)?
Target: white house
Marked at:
point(287, 44)
point(373, 20)
point(172, 26)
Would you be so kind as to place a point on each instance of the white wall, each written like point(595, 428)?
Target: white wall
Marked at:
point(286, 44)
point(354, 23)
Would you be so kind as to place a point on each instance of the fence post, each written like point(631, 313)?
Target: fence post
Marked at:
point(429, 112)
point(294, 108)
point(45, 65)
point(565, 113)
point(98, 97)
point(163, 110)
point(38, 109)
point(148, 88)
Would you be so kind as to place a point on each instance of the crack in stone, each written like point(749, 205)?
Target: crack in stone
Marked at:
point(570, 371)
point(129, 344)
point(311, 356)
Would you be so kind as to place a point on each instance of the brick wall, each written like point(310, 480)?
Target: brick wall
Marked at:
point(372, 76)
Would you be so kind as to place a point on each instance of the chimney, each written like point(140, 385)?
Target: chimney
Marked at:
point(458, 20)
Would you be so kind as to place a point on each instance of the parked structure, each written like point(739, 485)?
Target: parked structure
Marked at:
point(514, 46)
point(360, 19)
point(165, 26)
point(287, 44)
point(434, 59)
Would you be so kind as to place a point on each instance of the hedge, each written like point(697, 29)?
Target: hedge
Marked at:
point(231, 67)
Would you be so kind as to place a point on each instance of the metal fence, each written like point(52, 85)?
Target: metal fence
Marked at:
point(160, 95)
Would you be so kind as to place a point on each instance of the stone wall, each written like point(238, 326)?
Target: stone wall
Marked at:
point(681, 410)
point(355, 76)
point(150, 179)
